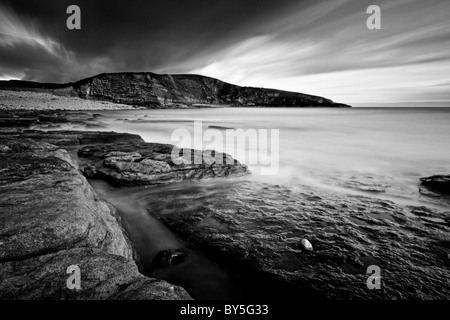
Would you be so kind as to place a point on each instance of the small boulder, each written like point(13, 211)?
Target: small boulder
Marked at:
point(170, 257)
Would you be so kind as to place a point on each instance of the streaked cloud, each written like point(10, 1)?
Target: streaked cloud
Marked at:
point(408, 60)
point(321, 48)
point(14, 30)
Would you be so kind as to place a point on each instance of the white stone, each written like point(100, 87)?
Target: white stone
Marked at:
point(307, 245)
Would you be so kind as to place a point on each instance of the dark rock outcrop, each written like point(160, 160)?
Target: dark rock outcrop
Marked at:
point(260, 227)
point(152, 90)
point(439, 183)
point(50, 219)
point(69, 138)
point(24, 119)
point(137, 164)
point(45, 119)
point(77, 138)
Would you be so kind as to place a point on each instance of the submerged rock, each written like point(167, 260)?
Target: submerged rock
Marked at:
point(368, 187)
point(171, 257)
point(52, 219)
point(440, 183)
point(421, 211)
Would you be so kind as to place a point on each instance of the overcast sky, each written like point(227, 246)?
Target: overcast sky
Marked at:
point(316, 47)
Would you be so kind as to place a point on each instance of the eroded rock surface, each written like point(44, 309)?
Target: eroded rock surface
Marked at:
point(65, 138)
point(26, 118)
point(261, 227)
point(50, 219)
point(135, 164)
point(73, 138)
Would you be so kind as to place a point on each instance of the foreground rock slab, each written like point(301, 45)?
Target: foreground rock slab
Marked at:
point(138, 164)
point(50, 219)
point(260, 227)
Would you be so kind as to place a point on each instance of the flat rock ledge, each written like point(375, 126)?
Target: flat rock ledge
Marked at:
point(260, 228)
point(140, 164)
point(69, 138)
point(50, 219)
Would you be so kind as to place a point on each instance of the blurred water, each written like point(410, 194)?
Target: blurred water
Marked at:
point(377, 151)
point(371, 151)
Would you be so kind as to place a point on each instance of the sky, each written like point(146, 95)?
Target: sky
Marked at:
point(316, 47)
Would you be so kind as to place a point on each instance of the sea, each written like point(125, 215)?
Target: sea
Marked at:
point(376, 152)
point(382, 152)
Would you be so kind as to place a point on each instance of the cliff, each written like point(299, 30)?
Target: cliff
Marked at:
point(152, 90)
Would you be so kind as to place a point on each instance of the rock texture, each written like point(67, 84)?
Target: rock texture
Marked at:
point(439, 183)
point(260, 227)
point(25, 119)
point(18, 120)
point(50, 219)
point(71, 138)
point(78, 138)
point(137, 164)
point(152, 90)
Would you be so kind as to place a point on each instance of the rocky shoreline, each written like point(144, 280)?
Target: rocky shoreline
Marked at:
point(51, 218)
point(263, 228)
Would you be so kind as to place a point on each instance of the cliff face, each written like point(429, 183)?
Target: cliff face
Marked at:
point(165, 91)
point(171, 91)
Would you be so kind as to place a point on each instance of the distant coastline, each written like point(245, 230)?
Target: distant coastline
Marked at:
point(154, 91)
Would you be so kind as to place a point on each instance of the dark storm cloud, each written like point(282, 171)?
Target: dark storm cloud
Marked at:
point(133, 35)
point(318, 47)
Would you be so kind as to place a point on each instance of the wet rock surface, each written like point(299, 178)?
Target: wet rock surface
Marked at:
point(435, 185)
point(26, 118)
point(50, 219)
point(365, 184)
point(170, 257)
point(18, 120)
point(78, 138)
point(66, 138)
point(260, 227)
point(136, 164)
